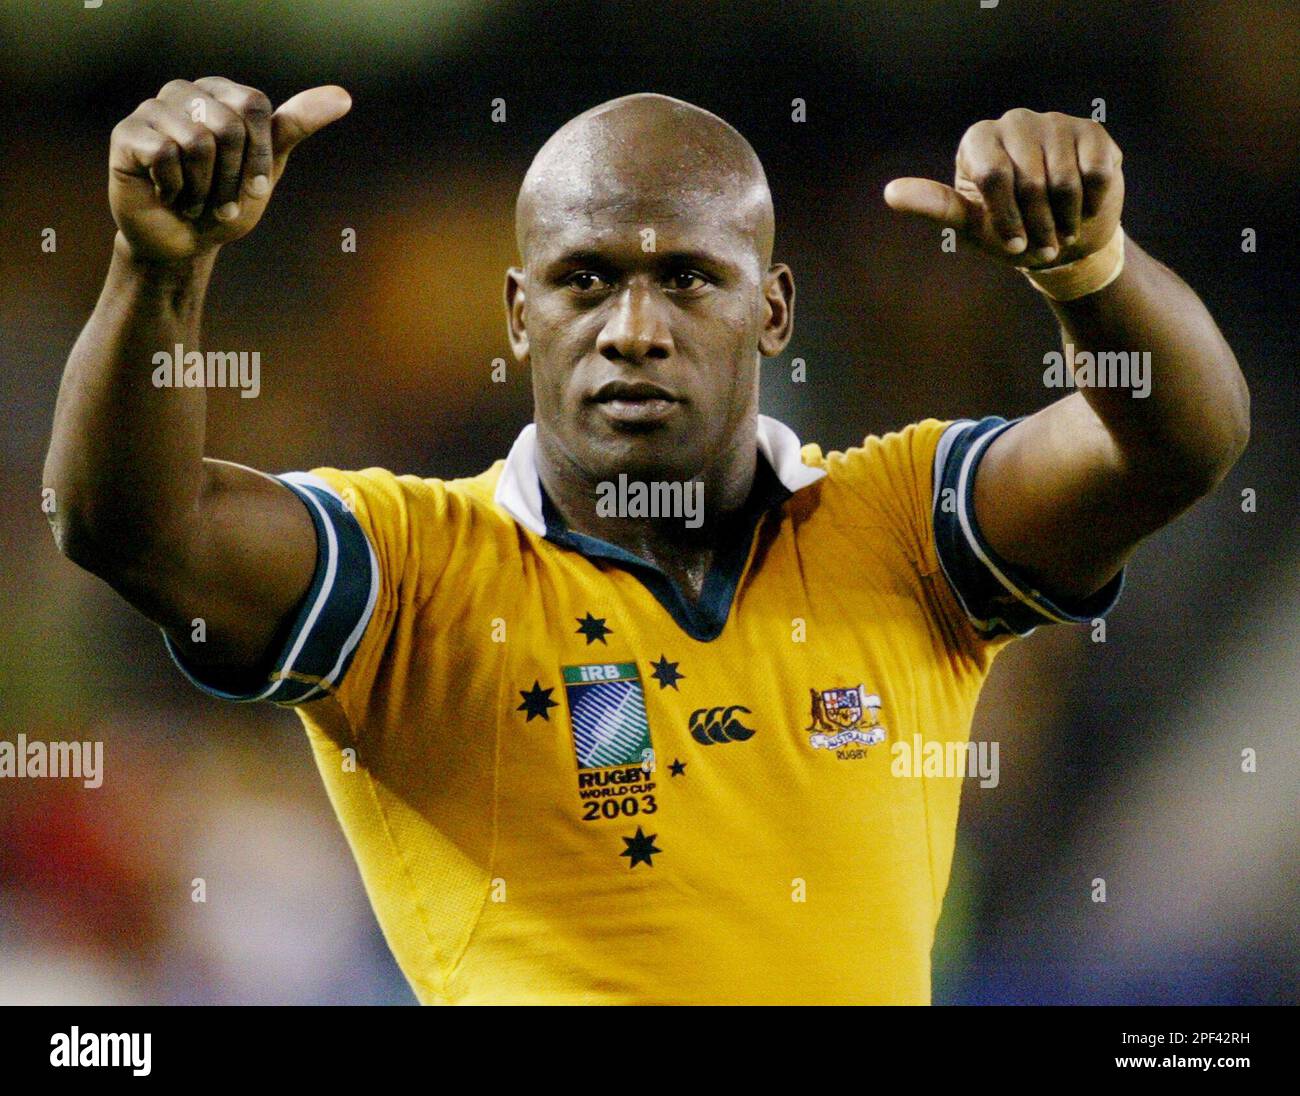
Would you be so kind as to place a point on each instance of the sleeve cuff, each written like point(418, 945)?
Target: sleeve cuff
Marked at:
point(334, 612)
point(997, 597)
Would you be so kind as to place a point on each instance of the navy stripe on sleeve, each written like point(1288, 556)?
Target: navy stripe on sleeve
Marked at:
point(334, 612)
point(997, 596)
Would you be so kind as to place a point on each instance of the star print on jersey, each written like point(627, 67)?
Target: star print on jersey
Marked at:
point(666, 673)
point(677, 768)
point(593, 628)
point(640, 848)
point(537, 702)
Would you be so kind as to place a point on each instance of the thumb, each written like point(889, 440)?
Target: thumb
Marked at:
point(302, 115)
point(929, 199)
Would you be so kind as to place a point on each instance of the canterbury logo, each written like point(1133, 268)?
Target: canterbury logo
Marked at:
point(710, 725)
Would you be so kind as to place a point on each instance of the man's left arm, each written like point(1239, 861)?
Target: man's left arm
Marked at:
point(1067, 493)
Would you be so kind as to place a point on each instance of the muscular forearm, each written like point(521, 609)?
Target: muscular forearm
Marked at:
point(183, 538)
point(126, 457)
point(188, 172)
point(1183, 435)
point(1070, 492)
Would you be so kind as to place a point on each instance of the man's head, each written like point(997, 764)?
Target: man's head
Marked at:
point(645, 227)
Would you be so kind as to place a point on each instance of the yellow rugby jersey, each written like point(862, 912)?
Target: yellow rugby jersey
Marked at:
point(564, 783)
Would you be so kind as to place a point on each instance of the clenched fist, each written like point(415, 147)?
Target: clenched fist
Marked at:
point(194, 168)
point(1034, 189)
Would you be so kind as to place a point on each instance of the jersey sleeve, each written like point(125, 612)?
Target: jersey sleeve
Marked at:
point(919, 483)
point(997, 597)
point(362, 523)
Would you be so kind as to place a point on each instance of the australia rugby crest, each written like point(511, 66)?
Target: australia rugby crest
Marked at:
point(842, 717)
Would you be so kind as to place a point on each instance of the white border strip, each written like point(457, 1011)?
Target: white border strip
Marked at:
point(306, 479)
point(964, 519)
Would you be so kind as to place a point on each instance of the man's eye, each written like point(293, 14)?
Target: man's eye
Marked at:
point(687, 279)
point(584, 281)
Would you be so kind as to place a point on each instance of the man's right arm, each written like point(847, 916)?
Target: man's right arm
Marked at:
point(181, 537)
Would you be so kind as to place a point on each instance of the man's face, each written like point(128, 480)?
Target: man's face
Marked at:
point(643, 314)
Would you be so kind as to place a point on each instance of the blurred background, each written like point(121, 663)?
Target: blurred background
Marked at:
point(1120, 760)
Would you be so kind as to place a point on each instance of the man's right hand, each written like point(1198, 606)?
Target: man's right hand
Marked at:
point(195, 168)
point(180, 536)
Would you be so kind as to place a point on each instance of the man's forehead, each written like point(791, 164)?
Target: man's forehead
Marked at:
point(697, 222)
point(641, 239)
point(617, 222)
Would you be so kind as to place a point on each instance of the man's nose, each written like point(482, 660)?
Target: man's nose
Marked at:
point(637, 330)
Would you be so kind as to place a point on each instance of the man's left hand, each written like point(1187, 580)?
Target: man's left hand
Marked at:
point(1031, 189)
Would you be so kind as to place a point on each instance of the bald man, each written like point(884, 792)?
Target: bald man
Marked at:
point(647, 711)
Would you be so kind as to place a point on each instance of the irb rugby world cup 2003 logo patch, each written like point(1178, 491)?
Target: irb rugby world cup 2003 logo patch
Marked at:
point(611, 740)
point(607, 714)
point(842, 717)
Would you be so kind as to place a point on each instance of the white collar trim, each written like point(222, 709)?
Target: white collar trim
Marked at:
point(519, 491)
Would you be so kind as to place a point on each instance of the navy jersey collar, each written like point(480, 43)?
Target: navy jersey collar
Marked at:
point(779, 473)
point(704, 619)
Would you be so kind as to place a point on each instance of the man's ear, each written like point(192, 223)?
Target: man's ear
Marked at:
point(515, 326)
point(778, 293)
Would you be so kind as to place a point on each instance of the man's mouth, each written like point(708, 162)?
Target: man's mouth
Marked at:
point(635, 403)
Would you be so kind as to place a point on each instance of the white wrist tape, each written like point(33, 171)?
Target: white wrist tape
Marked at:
point(1083, 276)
